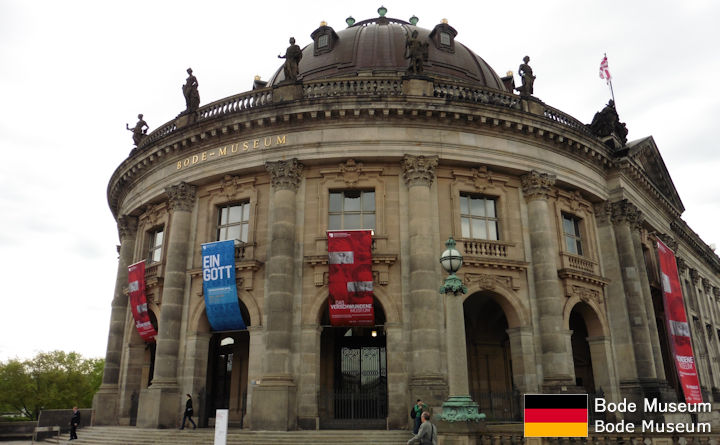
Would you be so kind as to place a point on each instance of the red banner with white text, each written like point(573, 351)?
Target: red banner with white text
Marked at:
point(138, 302)
point(678, 327)
point(351, 280)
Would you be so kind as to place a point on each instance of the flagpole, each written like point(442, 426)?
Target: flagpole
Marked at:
point(612, 93)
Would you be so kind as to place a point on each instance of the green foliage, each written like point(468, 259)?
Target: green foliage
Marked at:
point(50, 380)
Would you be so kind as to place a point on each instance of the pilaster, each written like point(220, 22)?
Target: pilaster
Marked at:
point(556, 356)
point(106, 400)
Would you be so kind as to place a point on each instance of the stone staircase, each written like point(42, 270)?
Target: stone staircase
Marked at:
point(116, 435)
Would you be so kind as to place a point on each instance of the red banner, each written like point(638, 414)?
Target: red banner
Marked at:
point(351, 280)
point(678, 327)
point(138, 302)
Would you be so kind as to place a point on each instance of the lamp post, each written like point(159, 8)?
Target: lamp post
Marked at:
point(459, 407)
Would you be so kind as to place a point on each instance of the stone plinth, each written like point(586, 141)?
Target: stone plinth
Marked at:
point(458, 433)
point(160, 407)
point(287, 92)
point(273, 404)
point(413, 86)
point(105, 404)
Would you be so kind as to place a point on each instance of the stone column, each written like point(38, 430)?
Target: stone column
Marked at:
point(132, 383)
point(648, 303)
point(161, 402)
point(197, 351)
point(618, 319)
point(556, 356)
point(309, 378)
point(397, 383)
point(522, 353)
point(426, 379)
point(625, 217)
point(105, 401)
point(274, 406)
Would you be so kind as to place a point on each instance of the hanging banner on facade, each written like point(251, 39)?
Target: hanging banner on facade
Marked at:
point(221, 300)
point(138, 302)
point(678, 327)
point(350, 278)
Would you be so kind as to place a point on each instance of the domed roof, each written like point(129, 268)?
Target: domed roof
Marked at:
point(377, 46)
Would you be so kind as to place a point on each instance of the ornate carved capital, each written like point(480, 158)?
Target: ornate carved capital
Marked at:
point(706, 285)
point(669, 241)
point(419, 170)
point(626, 212)
point(694, 276)
point(716, 292)
point(127, 226)
point(181, 197)
point(681, 265)
point(603, 212)
point(285, 175)
point(536, 185)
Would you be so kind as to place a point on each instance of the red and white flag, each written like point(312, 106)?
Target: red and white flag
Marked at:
point(604, 71)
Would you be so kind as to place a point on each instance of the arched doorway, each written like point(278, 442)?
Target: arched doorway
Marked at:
point(353, 374)
point(227, 373)
point(488, 356)
point(582, 358)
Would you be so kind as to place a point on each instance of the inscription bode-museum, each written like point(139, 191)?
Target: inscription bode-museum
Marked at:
point(231, 149)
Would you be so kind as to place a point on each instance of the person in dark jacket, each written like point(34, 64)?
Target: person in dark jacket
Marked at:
point(427, 434)
point(188, 413)
point(74, 423)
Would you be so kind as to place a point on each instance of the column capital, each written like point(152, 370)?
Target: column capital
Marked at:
point(669, 241)
point(182, 196)
point(127, 226)
point(706, 285)
point(626, 212)
point(536, 185)
point(419, 170)
point(285, 175)
point(694, 276)
point(681, 264)
point(716, 292)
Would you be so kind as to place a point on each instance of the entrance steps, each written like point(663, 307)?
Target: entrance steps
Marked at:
point(117, 435)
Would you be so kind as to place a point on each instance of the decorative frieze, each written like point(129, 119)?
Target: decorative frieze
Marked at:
point(153, 215)
point(127, 226)
point(536, 185)
point(419, 170)
point(181, 197)
point(285, 175)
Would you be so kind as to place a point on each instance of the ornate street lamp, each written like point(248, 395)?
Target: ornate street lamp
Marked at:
point(459, 407)
point(451, 261)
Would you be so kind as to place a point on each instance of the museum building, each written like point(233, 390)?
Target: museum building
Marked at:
point(404, 131)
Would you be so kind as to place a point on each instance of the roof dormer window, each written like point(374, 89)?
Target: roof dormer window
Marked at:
point(443, 35)
point(324, 38)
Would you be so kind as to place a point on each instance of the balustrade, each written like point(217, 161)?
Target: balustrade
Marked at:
point(479, 247)
point(578, 263)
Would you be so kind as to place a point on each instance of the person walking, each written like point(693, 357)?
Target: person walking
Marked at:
point(188, 413)
point(427, 435)
point(416, 412)
point(74, 423)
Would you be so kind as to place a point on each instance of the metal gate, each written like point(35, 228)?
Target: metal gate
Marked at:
point(359, 397)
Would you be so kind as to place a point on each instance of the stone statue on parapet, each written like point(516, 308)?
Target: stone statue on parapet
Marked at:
point(292, 57)
point(417, 52)
point(138, 132)
point(607, 122)
point(527, 78)
point(190, 91)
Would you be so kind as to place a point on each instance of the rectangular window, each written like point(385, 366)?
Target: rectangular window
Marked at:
point(155, 245)
point(323, 41)
point(233, 222)
point(571, 232)
point(351, 209)
point(478, 217)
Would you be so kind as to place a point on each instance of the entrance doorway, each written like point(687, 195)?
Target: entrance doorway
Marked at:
point(489, 360)
point(582, 359)
point(353, 375)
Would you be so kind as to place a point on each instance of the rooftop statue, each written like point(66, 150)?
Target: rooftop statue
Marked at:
point(190, 91)
point(526, 75)
point(417, 52)
point(138, 132)
point(292, 57)
point(607, 122)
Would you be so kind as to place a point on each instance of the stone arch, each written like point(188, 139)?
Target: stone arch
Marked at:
point(314, 315)
point(515, 312)
point(592, 315)
point(200, 324)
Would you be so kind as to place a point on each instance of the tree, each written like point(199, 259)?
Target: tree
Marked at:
point(50, 380)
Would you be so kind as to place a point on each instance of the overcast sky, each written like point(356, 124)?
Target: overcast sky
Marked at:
point(73, 73)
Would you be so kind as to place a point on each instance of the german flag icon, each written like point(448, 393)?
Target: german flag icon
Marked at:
point(556, 415)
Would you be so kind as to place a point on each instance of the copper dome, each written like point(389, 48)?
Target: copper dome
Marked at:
point(377, 46)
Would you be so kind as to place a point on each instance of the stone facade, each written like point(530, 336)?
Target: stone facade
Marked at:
point(561, 265)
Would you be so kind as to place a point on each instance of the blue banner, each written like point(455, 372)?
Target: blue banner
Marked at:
point(221, 300)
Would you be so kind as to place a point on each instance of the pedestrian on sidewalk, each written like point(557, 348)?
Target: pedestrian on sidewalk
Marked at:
point(74, 423)
point(427, 435)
